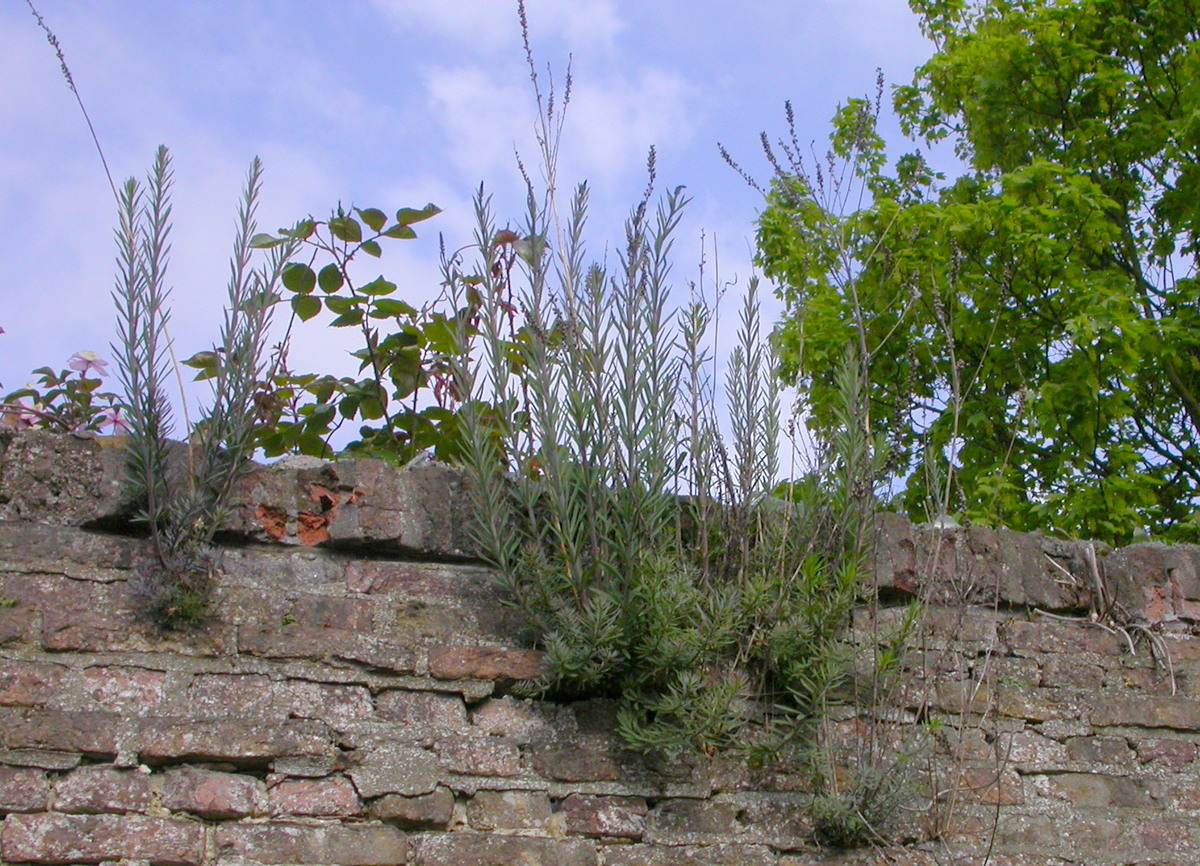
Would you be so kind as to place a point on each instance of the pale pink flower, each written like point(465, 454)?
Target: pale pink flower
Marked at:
point(85, 361)
point(112, 417)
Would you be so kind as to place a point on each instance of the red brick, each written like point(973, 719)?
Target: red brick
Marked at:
point(28, 684)
point(178, 739)
point(619, 817)
point(23, 789)
point(102, 789)
point(484, 662)
point(425, 710)
point(480, 757)
point(210, 794)
point(93, 734)
point(315, 798)
point(124, 689)
point(55, 838)
point(346, 845)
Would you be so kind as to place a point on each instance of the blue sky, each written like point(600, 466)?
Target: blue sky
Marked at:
point(388, 103)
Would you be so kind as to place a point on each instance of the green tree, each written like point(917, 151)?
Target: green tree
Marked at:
point(1031, 327)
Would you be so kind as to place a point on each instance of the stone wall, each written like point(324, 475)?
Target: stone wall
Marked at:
point(351, 700)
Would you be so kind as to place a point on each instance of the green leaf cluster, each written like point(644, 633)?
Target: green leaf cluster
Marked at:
point(67, 401)
point(1030, 326)
point(403, 396)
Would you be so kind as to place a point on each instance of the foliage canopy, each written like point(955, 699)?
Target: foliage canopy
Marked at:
point(1031, 326)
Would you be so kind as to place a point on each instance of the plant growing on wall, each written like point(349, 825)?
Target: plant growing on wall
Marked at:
point(67, 401)
point(654, 562)
point(184, 507)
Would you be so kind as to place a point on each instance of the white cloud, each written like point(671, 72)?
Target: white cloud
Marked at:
point(491, 25)
point(610, 123)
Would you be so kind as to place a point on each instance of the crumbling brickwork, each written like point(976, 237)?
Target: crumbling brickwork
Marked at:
point(351, 701)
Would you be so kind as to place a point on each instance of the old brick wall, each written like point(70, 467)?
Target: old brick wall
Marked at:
point(350, 702)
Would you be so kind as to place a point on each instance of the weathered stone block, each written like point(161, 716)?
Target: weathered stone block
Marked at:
point(616, 817)
point(102, 789)
point(1099, 750)
point(704, 855)
point(23, 789)
point(56, 838)
point(213, 795)
point(92, 734)
point(241, 696)
point(178, 739)
point(1151, 712)
point(60, 479)
point(521, 721)
point(426, 711)
point(422, 812)
point(480, 756)
point(686, 820)
point(124, 689)
point(343, 844)
point(315, 798)
point(484, 662)
point(395, 769)
point(1072, 672)
point(1172, 754)
point(28, 684)
point(461, 849)
point(508, 810)
point(1096, 790)
point(574, 762)
point(991, 786)
point(317, 643)
point(328, 702)
point(1028, 747)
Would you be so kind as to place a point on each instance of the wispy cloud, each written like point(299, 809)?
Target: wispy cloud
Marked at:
point(491, 25)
